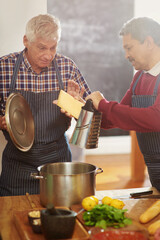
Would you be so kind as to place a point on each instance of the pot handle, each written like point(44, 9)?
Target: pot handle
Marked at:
point(35, 176)
point(99, 170)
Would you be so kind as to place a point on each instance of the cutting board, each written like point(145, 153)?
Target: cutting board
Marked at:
point(135, 208)
point(26, 233)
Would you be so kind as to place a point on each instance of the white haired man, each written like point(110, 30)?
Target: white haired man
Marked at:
point(38, 73)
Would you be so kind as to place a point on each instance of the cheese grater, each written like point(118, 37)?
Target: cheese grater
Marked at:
point(87, 129)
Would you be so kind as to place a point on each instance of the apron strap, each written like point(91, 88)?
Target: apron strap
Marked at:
point(58, 74)
point(16, 69)
point(135, 84)
point(155, 88)
point(156, 85)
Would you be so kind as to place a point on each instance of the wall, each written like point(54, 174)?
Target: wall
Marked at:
point(145, 8)
point(13, 17)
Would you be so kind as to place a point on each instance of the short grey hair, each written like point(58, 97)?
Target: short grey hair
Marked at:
point(140, 28)
point(45, 26)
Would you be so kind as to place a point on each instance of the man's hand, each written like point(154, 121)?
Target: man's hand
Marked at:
point(3, 124)
point(62, 110)
point(96, 98)
point(75, 91)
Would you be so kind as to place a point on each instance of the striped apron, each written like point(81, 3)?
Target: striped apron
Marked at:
point(50, 143)
point(149, 142)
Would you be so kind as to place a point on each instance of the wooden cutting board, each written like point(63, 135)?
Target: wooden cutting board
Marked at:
point(26, 233)
point(135, 208)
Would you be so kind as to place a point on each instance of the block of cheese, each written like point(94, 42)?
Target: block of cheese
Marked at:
point(69, 104)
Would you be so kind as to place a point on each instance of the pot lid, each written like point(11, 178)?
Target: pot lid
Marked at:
point(19, 120)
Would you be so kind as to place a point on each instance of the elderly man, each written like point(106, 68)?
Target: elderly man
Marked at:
point(38, 73)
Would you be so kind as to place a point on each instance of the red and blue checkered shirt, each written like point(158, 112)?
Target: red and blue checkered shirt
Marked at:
point(28, 80)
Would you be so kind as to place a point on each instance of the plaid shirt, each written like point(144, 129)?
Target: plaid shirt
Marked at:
point(28, 80)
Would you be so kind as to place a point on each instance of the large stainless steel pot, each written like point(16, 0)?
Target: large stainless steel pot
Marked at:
point(66, 183)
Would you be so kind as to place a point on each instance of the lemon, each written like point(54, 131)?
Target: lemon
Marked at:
point(117, 203)
point(107, 200)
point(96, 199)
point(88, 203)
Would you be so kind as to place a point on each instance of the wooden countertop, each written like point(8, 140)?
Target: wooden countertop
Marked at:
point(8, 205)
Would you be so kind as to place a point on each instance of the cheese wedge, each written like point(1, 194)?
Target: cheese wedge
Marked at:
point(69, 104)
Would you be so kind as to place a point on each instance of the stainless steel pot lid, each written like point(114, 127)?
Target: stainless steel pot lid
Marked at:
point(19, 120)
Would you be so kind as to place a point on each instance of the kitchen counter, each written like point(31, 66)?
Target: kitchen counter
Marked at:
point(8, 205)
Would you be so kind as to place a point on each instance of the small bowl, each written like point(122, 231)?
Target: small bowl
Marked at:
point(32, 215)
point(58, 226)
point(36, 226)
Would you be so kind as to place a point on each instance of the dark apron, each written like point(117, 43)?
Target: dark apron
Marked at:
point(149, 142)
point(50, 143)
